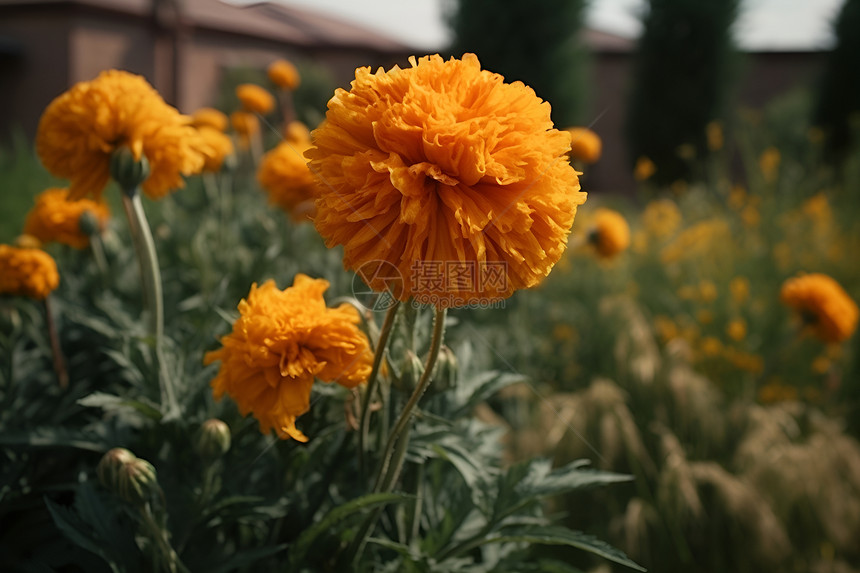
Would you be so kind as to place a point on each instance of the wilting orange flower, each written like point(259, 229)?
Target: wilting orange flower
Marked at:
point(26, 271)
point(218, 147)
point(209, 117)
point(281, 342)
point(284, 75)
point(609, 233)
point(56, 218)
point(81, 128)
point(444, 165)
point(661, 218)
point(824, 306)
point(255, 98)
point(585, 145)
point(644, 169)
point(285, 176)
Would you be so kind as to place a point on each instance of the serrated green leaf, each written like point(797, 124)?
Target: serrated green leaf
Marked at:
point(112, 403)
point(303, 544)
point(555, 535)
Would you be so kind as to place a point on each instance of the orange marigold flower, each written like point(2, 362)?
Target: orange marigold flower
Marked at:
point(284, 75)
point(82, 127)
point(585, 145)
point(610, 233)
point(209, 117)
point(218, 147)
point(56, 218)
point(246, 124)
point(281, 342)
point(285, 176)
point(644, 169)
point(661, 218)
point(714, 135)
point(26, 271)
point(737, 329)
point(444, 164)
point(255, 98)
point(768, 162)
point(823, 305)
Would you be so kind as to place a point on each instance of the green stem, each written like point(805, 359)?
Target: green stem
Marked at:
point(56, 349)
point(364, 424)
point(144, 246)
point(168, 556)
point(388, 473)
point(97, 248)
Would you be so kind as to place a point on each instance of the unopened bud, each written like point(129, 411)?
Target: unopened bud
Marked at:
point(128, 170)
point(410, 372)
point(213, 439)
point(446, 370)
point(131, 478)
point(89, 224)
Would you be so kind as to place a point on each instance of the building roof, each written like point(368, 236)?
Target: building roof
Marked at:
point(268, 20)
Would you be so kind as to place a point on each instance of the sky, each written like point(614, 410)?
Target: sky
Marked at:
point(762, 25)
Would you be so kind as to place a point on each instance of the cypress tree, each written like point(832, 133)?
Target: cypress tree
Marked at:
point(680, 82)
point(535, 42)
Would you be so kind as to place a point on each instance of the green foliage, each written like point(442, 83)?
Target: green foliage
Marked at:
point(681, 80)
point(537, 43)
point(838, 105)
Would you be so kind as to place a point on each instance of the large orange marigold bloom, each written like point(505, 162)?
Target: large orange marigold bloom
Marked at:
point(284, 75)
point(282, 341)
point(82, 127)
point(29, 272)
point(285, 176)
point(823, 304)
point(56, 218)
point(255, 98)
point(444, 165)
point(610, 233)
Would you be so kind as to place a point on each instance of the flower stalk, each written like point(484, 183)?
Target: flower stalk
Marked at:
point(56, 349)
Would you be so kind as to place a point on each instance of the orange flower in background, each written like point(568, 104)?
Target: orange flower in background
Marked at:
point(246, 125)
point(285, 176)
point(823, 305)
point(444, 165)
point(609, 234)
point(218, 147)
point(81, 128)
point(661, 218)
point(209, 117)
point(585, 145)
point(644, 169)
point(714, 135)
point(284, 75)
point(255, 99)
point(281, 342)
point(27, 271)
point(768, 162)
point(56, 218)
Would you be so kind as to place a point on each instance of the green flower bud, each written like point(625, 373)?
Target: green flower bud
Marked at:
point(127, 170)
point(131, 478)
point(213, 439)
point(446, 370)
point(89, 224)
point(410, 372)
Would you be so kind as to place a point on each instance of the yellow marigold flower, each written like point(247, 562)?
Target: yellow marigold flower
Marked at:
point(284, 75)
point(585, 145)
point(661, 218)
point(750, 216)
point(281, 342)
point(644, 169)
point(714, 135)
point(711, 237)
point(209, 117)
point(707, 291)
point(666, 328)
point(711, 346)
point(246, 124)
point(444, 164)
point(56, 218)
point(737, 197)
point(609, 233)
point(818, 209)
point(255, 99)
point(737, 329)
point(285, 176)
point(769, 162)
point(26, 271)
point(218, 147)
point(823, 305)
point(82, 127)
